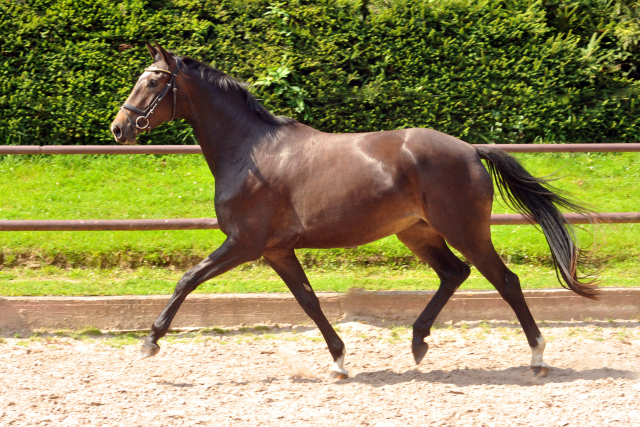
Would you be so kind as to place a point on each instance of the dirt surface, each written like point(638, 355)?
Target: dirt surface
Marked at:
point(474, 374)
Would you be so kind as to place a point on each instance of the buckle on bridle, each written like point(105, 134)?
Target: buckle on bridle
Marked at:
point(146, 124)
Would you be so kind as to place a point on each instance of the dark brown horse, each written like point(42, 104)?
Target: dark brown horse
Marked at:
point(281, 185)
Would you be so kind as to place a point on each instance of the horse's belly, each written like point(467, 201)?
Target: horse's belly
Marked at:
point(351, 232)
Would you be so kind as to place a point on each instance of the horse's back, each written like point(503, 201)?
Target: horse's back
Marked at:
point(350, 189)
point(441, 164)
point(442, 177)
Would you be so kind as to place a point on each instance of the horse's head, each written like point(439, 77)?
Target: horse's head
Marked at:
point(152, 100)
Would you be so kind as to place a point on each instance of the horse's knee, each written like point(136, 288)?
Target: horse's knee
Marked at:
point(187, 283)
point(455, 275)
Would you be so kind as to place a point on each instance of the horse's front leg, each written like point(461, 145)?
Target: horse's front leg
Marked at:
point(229, 255)
point(288, 267)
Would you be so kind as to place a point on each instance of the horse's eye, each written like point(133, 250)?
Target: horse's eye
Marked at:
point(153, 83)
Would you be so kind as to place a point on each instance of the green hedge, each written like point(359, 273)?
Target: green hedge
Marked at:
point(485, 71)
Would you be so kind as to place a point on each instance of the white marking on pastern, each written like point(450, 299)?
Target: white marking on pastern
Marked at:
point(537, 353)
point(338, 365)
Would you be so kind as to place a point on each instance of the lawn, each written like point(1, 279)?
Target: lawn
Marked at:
point(52, 280)
point(181, 186)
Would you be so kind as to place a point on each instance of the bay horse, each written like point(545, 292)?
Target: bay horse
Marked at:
point(281, 185)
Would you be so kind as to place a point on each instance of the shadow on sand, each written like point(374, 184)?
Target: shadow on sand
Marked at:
point(519, 375)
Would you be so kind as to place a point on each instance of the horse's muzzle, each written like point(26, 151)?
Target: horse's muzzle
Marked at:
point(122, 131)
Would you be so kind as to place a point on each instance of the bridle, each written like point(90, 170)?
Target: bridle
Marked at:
point(141, 123)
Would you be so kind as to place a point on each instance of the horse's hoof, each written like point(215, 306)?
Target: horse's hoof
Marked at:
point(148, 349)
point(335, 375)
point(419, 351)
point(540, 371)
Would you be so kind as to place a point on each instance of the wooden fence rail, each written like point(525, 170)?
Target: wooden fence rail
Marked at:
point(195, 149)
point(212, 223)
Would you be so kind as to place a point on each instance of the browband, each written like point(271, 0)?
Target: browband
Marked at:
point(159, 70)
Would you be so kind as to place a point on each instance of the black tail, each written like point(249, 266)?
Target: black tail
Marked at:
point(539, 201)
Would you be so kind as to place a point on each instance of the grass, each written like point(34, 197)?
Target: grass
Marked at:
point(106, 187)
point(149, 186)
point(53, 280)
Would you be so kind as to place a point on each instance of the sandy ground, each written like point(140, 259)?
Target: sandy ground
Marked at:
point(474, 375)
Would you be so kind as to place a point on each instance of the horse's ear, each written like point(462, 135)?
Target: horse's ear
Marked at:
point(166, 56)
point(151, 49)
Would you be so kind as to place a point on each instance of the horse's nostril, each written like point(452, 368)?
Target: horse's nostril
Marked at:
point(117, 132)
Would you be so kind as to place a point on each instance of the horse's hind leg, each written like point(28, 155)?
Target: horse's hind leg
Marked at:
point(481, 253)
point(508, 285)
point(431, 248)
point(458, 207)
point(289, 269)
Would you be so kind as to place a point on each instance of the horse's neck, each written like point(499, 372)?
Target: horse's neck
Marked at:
point(226, 131)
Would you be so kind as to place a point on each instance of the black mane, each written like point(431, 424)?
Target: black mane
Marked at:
point(228, 83)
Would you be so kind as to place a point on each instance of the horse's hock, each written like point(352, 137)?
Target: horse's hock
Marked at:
point(24, 314)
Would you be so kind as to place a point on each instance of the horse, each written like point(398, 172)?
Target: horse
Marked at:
point(281, 185)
